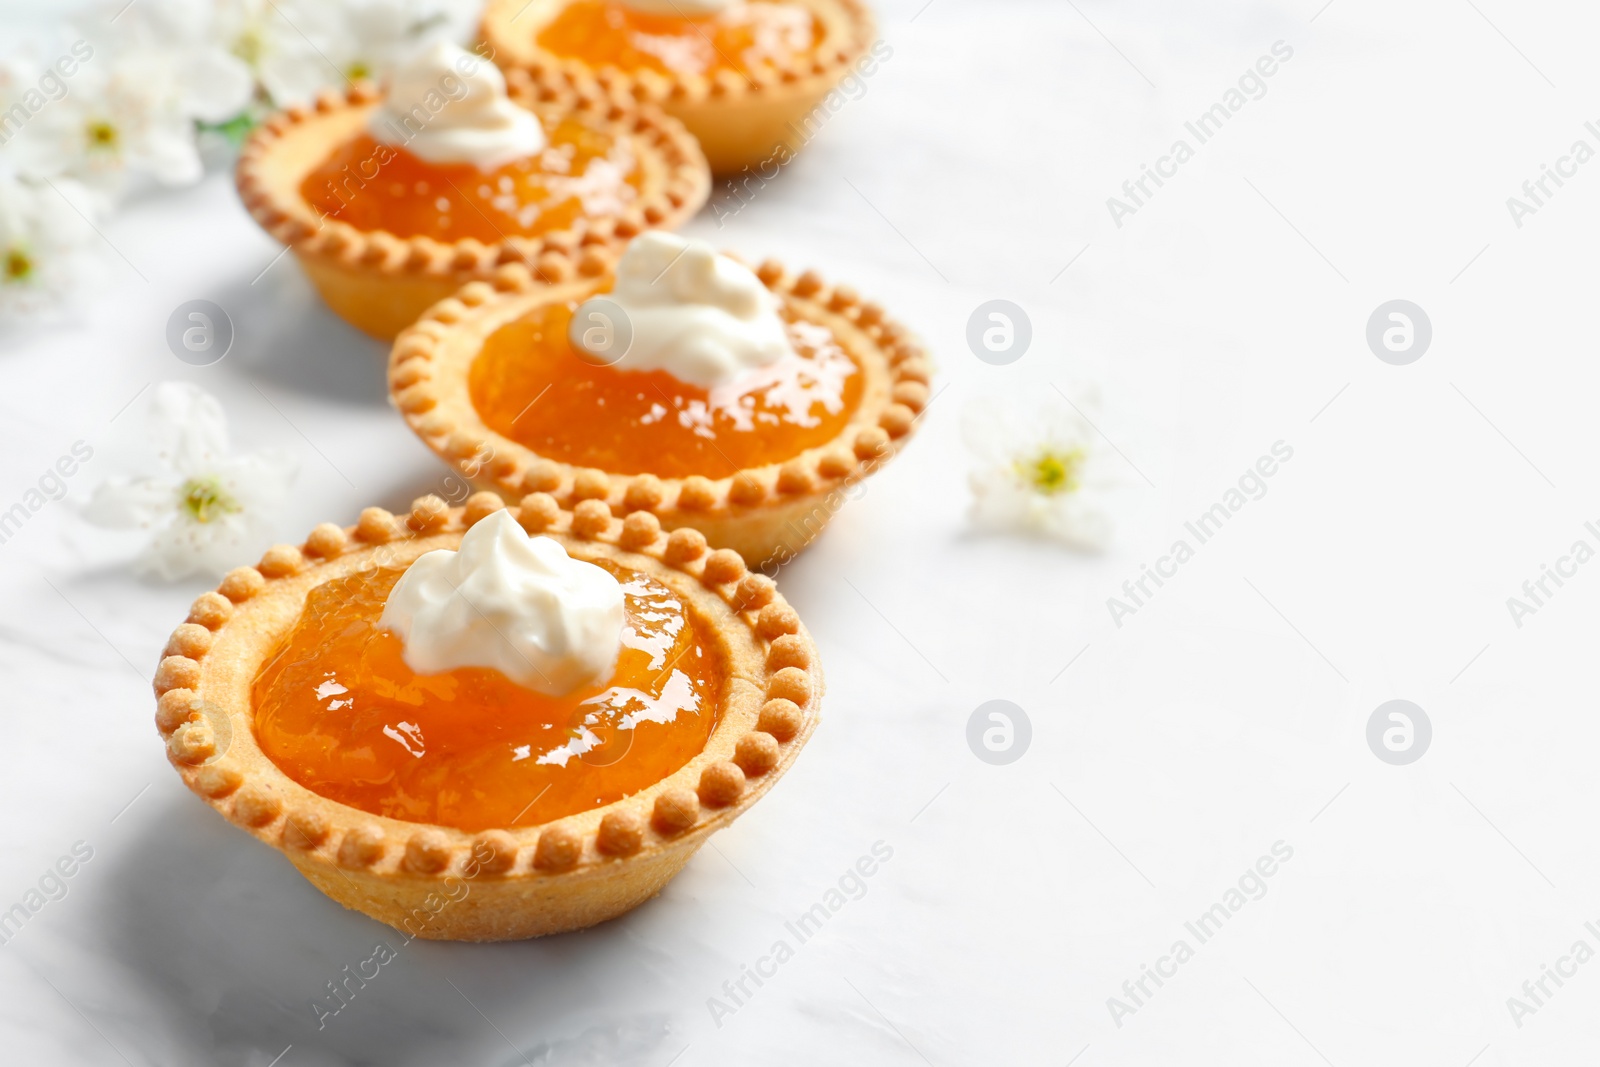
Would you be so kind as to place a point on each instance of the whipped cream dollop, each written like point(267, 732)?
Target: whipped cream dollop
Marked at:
point(682, 8)
point(517, 604)
point(446, 105)
point(701, 317)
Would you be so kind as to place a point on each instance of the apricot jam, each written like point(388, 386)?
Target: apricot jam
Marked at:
point(742, 38)
point(530, 385)
point(338, 710)
point(373, 186)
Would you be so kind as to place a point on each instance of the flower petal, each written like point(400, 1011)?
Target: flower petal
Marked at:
point(1078, 521)
point(258, 481)
point(294, 77)
point(169, 152)
point(189, 427)
point(183, 547)
point(215, 86)
point(989, 430)
point(121, 504)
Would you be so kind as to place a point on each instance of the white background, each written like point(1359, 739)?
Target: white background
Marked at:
point(1226, 715)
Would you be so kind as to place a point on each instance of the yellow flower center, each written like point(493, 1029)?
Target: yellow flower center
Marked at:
point(1051, 472)
point(248, 47)
point(101, 134)
point(359, 69)
point(18, 265)
point(204, 499)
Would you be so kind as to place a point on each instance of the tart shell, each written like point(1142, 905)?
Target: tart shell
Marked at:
point(438, 882)
point(766, 514)
point(740, 120)
point(380, 282)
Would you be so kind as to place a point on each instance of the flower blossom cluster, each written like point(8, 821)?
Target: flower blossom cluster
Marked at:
point(129, 98)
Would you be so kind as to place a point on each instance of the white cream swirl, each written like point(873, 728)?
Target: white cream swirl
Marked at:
point(701, 317)
point(681, 8)
point(517, 604)
point(447, 105)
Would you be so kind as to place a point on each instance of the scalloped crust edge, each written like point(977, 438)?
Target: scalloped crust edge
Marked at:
point(766, 514)
point(437, 882)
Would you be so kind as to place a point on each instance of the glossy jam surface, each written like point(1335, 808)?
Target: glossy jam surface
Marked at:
point(338, 710)
point(741, 39)
point(530, 385)
point(373, 186)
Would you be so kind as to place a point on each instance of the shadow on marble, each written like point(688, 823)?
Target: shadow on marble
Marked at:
point(285, 337)
point(236, 947)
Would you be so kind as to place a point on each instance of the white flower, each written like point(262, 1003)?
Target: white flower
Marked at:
point(1039, 470)
point(208, 510)
point(277, 42)
point(211, 83)
point(374, 36)
point(298, 47)
point(131, 110)
point(46, 254)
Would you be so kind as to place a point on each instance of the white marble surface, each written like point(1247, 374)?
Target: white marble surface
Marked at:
point(1226, 715)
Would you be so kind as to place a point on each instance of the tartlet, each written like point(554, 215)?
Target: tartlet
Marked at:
point(525, 881)
point(766, 512)
point(742, 117)
point(380, 282)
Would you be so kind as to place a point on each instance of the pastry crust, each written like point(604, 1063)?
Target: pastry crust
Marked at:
point(438, 882)
point(380, 282)
point(766, 514)
point(740, 120)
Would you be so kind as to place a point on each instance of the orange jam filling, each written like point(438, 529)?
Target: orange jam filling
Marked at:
point(338, 710)
point(741, 39)
point(530, 385)
point(373, 186)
